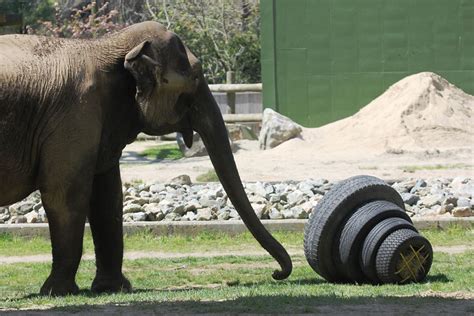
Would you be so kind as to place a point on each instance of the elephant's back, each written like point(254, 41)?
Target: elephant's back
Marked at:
point(15, 49)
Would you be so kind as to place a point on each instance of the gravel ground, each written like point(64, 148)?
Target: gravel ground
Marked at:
point(180, 200)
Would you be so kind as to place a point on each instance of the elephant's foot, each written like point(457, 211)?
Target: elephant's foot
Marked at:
point(59, 287)
point(106, 284)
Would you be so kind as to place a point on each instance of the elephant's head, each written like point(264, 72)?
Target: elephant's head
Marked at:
point(174, 97)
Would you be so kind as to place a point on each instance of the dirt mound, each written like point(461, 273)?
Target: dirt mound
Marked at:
point(419, 113)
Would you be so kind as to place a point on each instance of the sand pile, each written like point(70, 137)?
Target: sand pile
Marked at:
point(419, 113)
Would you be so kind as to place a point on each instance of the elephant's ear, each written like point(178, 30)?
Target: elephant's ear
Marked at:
point(144, 69)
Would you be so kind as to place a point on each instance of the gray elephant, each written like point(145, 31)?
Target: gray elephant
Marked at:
point(67, 110)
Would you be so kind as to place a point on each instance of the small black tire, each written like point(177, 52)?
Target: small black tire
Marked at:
point(356, 230)
point(373, 241)
point(404, 256)
point(324, 226)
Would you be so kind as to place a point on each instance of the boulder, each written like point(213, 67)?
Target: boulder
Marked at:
point(183, 179)
point(197, 149)
point(276, 129)
point(240, 131)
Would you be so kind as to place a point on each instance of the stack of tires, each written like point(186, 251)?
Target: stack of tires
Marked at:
point(360, 233)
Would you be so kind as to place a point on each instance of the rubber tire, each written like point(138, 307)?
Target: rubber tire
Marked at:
point(356, 230)
point(323, 229)
point(373, 241)
point(389, 254)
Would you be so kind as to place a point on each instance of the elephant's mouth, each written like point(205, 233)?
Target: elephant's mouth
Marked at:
point(183, 126)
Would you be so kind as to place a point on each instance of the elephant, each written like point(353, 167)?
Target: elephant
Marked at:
point(68, 107)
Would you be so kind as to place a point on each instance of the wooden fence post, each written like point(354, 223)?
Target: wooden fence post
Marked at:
point(230, 77)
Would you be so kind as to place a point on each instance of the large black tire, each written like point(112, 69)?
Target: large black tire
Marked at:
point(373, 241)
point(323, 229)
point(355, 231)
point(404, 257)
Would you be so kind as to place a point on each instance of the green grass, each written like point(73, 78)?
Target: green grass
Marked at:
point(414, 168)
point(146, 241)
point(245, 281)
point(209, 176)
point(228, 283)
point(167, 151)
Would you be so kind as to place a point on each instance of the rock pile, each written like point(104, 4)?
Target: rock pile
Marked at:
point(180, 200)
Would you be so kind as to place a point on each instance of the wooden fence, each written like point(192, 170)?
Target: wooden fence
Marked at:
point(231, 90)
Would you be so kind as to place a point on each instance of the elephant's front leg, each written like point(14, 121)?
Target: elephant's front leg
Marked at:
point(106, 224)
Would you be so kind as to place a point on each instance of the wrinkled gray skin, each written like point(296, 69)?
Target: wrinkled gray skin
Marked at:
point(67, 110)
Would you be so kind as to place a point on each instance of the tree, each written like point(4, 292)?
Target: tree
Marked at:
point(223, 34)
point(87, 22)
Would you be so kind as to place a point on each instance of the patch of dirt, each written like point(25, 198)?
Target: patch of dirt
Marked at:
point(455, 295)
point(135, 255)
point(452, 250)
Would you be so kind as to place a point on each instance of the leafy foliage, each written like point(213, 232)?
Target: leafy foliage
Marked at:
point(89, 22)
point(224, 34)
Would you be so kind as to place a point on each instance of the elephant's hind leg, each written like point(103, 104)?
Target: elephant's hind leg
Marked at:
point(66, 209)
point(106, 224)
point(65, 179)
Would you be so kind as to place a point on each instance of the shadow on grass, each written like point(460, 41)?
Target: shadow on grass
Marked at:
point(88, 293)
point(276, 304)
point(440, 278)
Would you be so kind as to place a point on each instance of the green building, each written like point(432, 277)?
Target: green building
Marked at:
point(322, 60)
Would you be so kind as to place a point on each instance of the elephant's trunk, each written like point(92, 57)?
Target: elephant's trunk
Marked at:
point(206, 119)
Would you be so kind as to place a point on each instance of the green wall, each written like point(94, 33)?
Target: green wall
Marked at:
point(322, 60)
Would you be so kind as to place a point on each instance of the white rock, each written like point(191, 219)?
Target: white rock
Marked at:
point(259, 210)
point(183, 179)
point(276, 129)
point(288, 214)
point(152, 208)
point(275, 214)
point(462, 212)
point(157, 188)
point(233, 214)
point(190, 216)
point(32, 217)
point(179, 209)
point(132, 208)
point(299, 212)
point(192, 205)
point(204, 214)
point(464, 202)
point(295, 197)
point(21, 208)
point(138, 217)
point(430, 200)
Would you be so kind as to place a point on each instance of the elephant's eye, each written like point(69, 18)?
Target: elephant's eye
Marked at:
point(164, 80)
